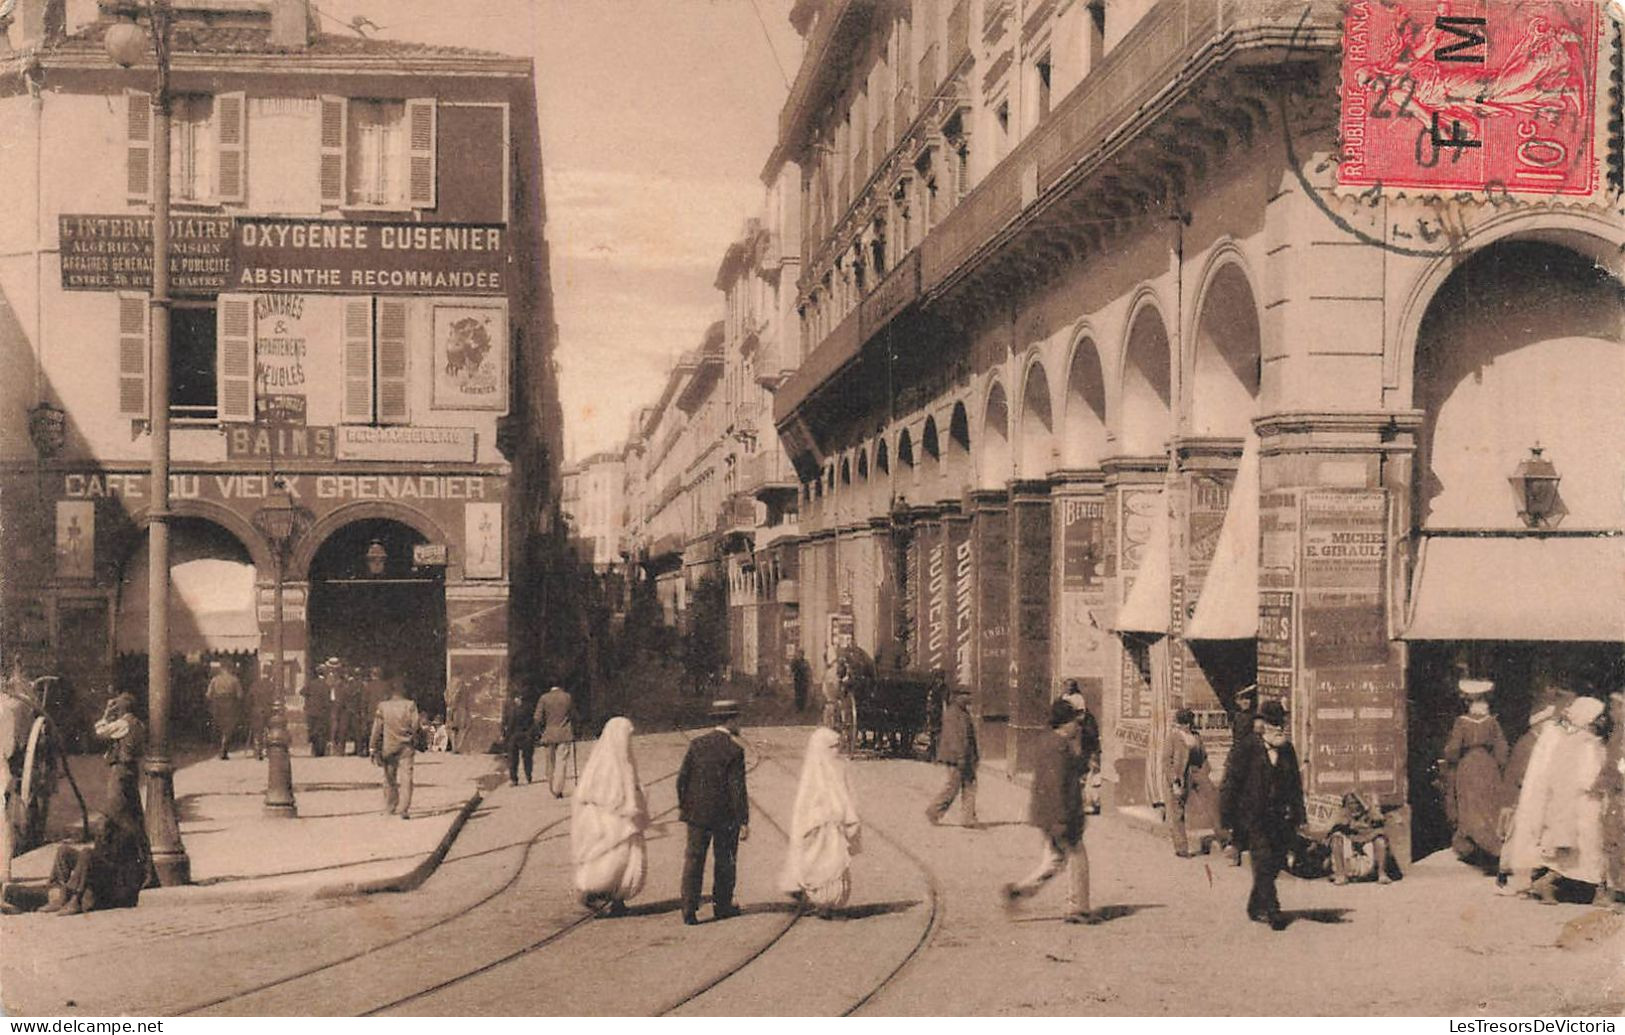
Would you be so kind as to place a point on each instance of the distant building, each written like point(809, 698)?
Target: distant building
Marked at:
point(1104, 378)
point(594, 503)
point(362, 308)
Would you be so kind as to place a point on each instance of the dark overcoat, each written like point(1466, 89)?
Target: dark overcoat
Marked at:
point(711, 783)
point(1260, 801)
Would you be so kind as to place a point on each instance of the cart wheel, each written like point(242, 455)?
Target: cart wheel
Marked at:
point(36, 786)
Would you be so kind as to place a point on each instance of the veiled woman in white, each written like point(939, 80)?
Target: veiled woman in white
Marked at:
point(824, 828)
point(608, 815)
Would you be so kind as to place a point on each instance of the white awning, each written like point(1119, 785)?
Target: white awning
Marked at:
point(1146, 609)
point(1227, 608)
point(211, 607)
point(1567, 588)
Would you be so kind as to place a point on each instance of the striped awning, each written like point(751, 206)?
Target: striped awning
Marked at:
point(211, 608)
point(1568, 588)
point(1227, 608)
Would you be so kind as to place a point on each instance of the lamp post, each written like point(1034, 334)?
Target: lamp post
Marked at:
point(127, 44)
point(282, 522)
point(1534, 484)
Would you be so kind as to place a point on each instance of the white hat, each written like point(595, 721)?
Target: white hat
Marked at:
point(1475, 687)
point(1583, 711)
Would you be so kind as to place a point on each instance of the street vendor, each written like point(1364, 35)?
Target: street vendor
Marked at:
point(1358, 842)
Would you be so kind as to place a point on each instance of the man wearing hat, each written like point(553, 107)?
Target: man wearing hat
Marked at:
point(956, 749)
point(1056, 809)
point(712, 801)
point(225, 697)
point(1185, 769)
point(1262, 802)
point(1243, 722)
point(557, 710)
point(318, 695)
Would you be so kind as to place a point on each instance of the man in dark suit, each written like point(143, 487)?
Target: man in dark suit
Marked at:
point(711, 800)
point(519, 733)
point(1262, 800)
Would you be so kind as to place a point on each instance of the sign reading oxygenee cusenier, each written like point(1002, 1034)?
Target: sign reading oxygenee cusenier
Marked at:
point(327, 256)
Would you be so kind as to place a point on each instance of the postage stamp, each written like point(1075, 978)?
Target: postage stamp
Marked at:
point(1492, 96)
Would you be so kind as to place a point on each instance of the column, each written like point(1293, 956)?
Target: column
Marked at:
point(1081, 642)
point(1136, 664)
point(927, 649)
point(961, 603)
point(990, 552)
point(1030, 599)
point(1333, 557)
point(295, 646)
point(885, 568)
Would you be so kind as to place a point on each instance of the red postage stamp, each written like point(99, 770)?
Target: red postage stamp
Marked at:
point(1493, 96)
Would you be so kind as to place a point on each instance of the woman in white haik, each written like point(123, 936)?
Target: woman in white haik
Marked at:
point(824, 829)
point(608, 815)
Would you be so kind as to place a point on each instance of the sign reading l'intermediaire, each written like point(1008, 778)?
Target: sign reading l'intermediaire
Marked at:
point(335, 257)
point(114, 253)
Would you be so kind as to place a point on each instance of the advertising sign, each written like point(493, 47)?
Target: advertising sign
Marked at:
point(1277, 540)
point(1081, 528)
point(1345, 542)
point(281, 346)
point(114, 253)
point(75, 539)
point(482, 536)
point(992, 537)
point(1355, 730)
point(278, 442)
point(334, 257)
point(471, 357)
point(1275, 628)
point(962, 611)
point(366, 442)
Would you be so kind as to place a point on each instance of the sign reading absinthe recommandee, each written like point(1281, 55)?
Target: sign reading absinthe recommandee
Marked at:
point(329, 256)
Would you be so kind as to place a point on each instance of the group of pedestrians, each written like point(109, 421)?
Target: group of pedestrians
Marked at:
point(234, 709)
point(550, 720)
point(340, 701)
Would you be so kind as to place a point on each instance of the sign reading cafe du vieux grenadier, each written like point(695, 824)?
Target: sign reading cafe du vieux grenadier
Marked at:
point(102, 253)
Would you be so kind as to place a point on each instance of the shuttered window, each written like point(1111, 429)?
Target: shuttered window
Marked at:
point(357, 406)
point(134, 355)
point(234, 366)
point(393, 405)
point(138, 150)
point(334, 150)
point(420, 154)
point(231, 138)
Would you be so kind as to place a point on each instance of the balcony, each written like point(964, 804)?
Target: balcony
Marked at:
point(1174, 35)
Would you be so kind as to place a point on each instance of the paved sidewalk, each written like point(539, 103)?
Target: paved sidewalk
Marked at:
point(340, 843)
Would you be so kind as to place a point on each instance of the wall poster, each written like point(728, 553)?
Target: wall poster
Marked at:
point(75, 539)
point(470, 357)
point(482, 540)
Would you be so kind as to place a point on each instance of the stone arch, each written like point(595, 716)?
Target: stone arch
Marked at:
point(993, 456)
point(240, 528)
point(1144, 409)
point(863, 464)
point(1227, 347)
point(960, 465)
point(905, 452)
point(1511, 353)
point(1083, 419)
point(882, 458)
point(349, 513)
point(1036, 439)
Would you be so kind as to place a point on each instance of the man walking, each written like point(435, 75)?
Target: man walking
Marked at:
point(711, 800)
point(318, 694)
point(375, 690)
point(558, 728)
point(957, 750)
point(1262, 801)
point(1184, 765)
point(1056, 809)
point(394, 729)
point(225, 697)
point(519, 733)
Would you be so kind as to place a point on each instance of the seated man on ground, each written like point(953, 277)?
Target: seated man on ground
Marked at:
point(1359, 846)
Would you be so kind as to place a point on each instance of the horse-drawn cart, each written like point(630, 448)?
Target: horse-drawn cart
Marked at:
point(887, 711)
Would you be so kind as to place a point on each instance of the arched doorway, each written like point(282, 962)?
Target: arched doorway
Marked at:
point(993, 458)
point(1146, 421)
point(1037, 426)
point(1083, 441)
point(1522, 346)
point(1226, 368)
point(371, 606)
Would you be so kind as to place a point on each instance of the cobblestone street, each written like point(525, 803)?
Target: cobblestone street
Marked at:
point(496, 930)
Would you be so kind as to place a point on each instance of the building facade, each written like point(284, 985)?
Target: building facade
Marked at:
point(1104, 377)
point(594, 503)
point(362, 314)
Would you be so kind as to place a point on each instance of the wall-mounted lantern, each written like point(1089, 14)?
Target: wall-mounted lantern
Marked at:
point(1534, 486)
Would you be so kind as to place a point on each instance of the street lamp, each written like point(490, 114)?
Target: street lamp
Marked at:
point(282, 522)
point(126, 45)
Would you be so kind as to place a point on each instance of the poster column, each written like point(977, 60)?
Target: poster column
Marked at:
point(990, 552)
point(1030, 607)
point(476, 662)
point(885, 586)
point(1207, 470)
point(1133, 492)
point(929, 651)
point(1080, 641)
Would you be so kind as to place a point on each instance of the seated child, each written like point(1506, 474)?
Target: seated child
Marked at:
point(104, 873)
point(1359, 847)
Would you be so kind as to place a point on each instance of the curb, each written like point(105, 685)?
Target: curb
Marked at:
point(413, 878)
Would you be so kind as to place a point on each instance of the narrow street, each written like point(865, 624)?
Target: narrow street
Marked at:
point(497, 931)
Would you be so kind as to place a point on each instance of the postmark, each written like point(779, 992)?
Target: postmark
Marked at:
point(1489, 96)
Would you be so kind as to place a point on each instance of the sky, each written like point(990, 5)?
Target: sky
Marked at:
point(657, 116)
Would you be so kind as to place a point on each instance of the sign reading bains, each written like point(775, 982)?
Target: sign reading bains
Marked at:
point(328, 256)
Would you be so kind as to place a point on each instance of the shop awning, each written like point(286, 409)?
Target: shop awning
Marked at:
point(211, 608)
point(1227, 608)
point(1146, 609)
point(1569, 588)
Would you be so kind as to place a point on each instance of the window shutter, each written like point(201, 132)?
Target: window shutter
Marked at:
point(134, 355)
point(234, 358)
point(356, 407)
point(335, 144)
point(392, 347)
point(138, 150)
point(420, 153)
point(231, 138)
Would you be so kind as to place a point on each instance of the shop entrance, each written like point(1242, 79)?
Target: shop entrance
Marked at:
point(1519, 671)
point(370, 606)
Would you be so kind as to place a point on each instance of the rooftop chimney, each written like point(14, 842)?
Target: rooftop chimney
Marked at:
point(290, 24)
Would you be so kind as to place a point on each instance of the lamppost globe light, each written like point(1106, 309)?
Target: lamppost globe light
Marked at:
point(127, 43)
